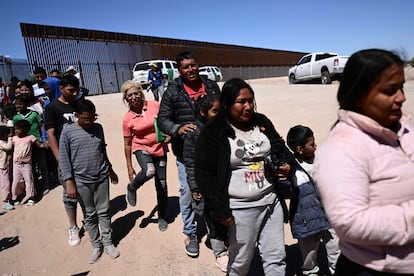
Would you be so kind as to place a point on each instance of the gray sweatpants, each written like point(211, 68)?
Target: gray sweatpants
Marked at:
point(261, 226)
point(309, 250)
point(95, 199)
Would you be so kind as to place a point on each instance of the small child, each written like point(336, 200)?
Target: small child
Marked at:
point(206, 108)
point(39, 166)
point(6, 146)
point(85, 169)
point(22, 162)
point(309, 223)
point(9, 110)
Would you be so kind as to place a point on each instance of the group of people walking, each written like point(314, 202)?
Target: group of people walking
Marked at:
point(63, 125)
point(221, 144)
point(221, 148)
point(352, 195)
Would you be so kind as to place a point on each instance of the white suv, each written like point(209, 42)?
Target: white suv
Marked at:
point(168, 68)
point(212, 72)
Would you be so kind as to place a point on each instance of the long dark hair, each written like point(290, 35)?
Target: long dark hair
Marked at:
point(231, 90)
point(203, 105)
point(361, 71)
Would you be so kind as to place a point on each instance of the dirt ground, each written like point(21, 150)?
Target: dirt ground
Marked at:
point(33, 241)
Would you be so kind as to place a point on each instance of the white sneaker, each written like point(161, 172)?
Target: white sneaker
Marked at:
point(222, 261)
point(8, 206)
point(74, 238)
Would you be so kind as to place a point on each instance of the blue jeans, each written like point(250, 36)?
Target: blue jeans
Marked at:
point(187, 212)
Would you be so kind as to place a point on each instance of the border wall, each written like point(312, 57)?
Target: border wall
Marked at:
point(105, 59)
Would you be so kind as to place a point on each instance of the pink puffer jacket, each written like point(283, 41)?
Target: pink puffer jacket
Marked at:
point(365, 175)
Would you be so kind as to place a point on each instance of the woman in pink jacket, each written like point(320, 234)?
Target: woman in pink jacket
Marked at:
point(365, 169)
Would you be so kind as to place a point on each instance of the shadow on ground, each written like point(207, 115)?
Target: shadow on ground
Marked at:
point(81, 274)
point(8, 242)
point(117, 204)
point(123, 225)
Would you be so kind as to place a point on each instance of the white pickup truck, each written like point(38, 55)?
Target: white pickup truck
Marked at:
point(324, 66)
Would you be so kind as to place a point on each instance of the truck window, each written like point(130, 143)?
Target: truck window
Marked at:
point(323, 56)
point(305, 59)
point(141, 66)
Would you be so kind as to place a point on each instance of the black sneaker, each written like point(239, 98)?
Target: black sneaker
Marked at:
point(162, 224)
point(191, 246)
point(131, 196)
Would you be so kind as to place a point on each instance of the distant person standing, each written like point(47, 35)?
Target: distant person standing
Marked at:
point(2, 92)
point(72, 71)
point(11, 88)
point(40, 75)
point(155, 80)
point(82, 90)
point(176, 118)
point(50, 159)
point(55, 73)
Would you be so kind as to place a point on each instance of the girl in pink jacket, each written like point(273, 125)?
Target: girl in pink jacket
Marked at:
point(365, 169)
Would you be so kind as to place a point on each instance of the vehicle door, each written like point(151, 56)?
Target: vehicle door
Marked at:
point(171, 71)
point(304, 67)
point(212, 74)
point(320, 61)
point(219, 76)
point(208, 72)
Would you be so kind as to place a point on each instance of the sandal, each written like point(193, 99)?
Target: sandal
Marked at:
point(29, 203)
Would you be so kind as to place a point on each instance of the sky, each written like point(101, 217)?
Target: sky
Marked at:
point(343, 27)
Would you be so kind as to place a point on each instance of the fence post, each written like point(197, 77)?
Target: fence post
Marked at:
point(59, 67)
point(130, 71)
point(116, 77)
point(100, 76)
point(81, 73)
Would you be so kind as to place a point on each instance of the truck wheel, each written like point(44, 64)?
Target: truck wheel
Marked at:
point(292, 79)
point(326, 78)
